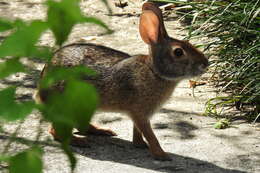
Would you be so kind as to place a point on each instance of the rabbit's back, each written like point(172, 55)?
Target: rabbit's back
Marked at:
point(96, 57)
point(93, 56)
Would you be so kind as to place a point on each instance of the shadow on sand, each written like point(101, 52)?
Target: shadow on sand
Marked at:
point(122, 151)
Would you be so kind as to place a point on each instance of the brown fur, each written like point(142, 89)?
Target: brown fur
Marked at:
point(137, 85)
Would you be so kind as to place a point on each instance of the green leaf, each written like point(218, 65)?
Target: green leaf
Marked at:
point(22, 41)
point(73, 107)
point(70, 108)
point(63, 15)
point(4, 158)
point(77, 92)
point(10, 66)
point(57, 17)
point(70, 155)
point(9, 109)
point(56, 74)
point(64, 131)
point(29, 161)
point(5, 25)
point(71, 103)
point(42, 53)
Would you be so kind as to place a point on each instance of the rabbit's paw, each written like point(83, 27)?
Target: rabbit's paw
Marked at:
point(94, 130)
point(162, 156)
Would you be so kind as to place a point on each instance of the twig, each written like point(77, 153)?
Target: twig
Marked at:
point(256, 118)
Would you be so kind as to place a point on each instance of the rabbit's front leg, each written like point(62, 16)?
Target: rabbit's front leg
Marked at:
point(144, 125)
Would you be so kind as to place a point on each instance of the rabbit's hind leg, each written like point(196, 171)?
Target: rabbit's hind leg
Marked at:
point(95, 130)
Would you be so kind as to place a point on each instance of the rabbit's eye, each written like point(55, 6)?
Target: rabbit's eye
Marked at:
point(178, 52)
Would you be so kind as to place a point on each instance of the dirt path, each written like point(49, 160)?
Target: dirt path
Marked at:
point(189, 137)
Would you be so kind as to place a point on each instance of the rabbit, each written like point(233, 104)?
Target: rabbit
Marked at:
point(135, 85)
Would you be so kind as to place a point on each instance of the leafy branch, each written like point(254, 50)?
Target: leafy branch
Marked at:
point(22, 41)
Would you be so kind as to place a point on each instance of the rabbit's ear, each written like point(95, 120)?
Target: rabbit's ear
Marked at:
point(149, 6)
point(149, 27)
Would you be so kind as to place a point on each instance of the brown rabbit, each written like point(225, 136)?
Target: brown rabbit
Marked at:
point(136, 85)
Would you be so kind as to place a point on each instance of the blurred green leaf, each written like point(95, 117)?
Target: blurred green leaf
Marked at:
point(41, 52)
point(82, 110)
point(9, 109)
point(66, 13)
point(56, 74)
point(70, 155)
point(4, 158)
point(64, 131)
point(22, 41)
point(10, 66)
point(70, 106)
point(5, 25)
point(28, 161)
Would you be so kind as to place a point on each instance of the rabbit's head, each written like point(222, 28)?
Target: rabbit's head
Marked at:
point(172, 59)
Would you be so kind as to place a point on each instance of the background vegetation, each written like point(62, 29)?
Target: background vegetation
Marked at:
point(234, 27)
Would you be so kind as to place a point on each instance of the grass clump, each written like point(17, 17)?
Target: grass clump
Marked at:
point(235, 29)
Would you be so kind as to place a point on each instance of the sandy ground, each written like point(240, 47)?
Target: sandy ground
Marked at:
point(189, 137)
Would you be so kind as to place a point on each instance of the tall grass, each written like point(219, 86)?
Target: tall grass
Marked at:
point(233, 29)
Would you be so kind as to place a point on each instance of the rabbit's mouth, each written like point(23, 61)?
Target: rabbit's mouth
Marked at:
point(200, 71)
